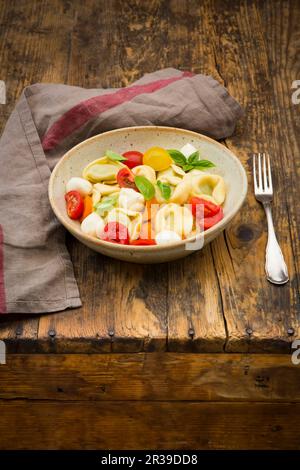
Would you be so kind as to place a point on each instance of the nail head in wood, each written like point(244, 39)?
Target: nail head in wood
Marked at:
point(191, 332)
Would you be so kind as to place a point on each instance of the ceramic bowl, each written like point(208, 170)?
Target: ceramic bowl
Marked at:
point(142, 138)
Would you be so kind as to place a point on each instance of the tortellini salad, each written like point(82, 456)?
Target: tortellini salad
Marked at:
point(152, 198)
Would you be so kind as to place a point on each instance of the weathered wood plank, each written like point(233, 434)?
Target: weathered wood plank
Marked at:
point(19, 335)
point(195, 320)
point(195, 314)
point(151, 425)
point(27, 54)
point(150, 377)
point(251, 46)
point(124, 307)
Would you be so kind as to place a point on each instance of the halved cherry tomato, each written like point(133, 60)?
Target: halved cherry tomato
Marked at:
point(75, 204)
point(141, 242)
point(88, 207)
point(158, 158)
point(209, 207)
point(125, 179)
point(210, 221)
point(133, 158)
point(116, 233)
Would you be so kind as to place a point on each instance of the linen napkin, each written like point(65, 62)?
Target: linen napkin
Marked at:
point(36, 273)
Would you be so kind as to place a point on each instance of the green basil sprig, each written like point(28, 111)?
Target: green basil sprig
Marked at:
point(145, 187)
point(177, 157)
point(106, 204)
point(190, 163)
point(116, 157)
point(165, 189)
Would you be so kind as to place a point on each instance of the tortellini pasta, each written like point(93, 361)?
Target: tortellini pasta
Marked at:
point(130, 219)
point(193, 173)
point(101, 189)
point(102, 169)
point(178, 171)
point(175, 218)
point(145, 170)
point(131, 199)
point(174, 177)
point(96, 196)
point(181, 192)
point(155, 209)
point(106, 189)
point(210, 185)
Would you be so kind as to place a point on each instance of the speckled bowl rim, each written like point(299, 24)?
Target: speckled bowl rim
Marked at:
point(219, 227)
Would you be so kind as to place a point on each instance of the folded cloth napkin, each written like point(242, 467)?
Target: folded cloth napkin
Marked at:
point(36, 274)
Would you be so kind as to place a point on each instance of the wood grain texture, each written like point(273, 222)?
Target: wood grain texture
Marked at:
point(257, 67)
point(151, 377)
point(219, 299)
point(150, 425)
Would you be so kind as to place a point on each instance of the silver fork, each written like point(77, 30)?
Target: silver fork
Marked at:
point(275, 266)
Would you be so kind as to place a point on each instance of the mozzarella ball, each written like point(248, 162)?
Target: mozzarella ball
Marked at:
point(187, 150)
point(93, 225)
point(81, 185)
point(166, 236)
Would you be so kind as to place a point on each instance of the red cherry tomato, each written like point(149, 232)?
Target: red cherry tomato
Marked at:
point(75, 204)
point(125, 179)
point(142, 241)
point(116, 233)
point(209, 208)
point(210, 221)
point(133, 158)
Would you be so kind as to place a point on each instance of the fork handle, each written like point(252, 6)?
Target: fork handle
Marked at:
point(276, 269)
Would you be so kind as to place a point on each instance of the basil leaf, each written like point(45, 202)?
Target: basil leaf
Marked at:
point(203, 164)
point(177, 157)
point(116, 157)
point(107, 203)
point(145, 187)
point(165, 190)
point(194, 157)
point(188, 167)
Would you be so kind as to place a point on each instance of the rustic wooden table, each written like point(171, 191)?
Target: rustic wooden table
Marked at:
point(148, 395)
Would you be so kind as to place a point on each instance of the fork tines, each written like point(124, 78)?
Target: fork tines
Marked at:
point(264, 184)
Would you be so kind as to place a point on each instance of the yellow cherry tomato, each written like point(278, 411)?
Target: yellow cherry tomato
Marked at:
point(157, 158)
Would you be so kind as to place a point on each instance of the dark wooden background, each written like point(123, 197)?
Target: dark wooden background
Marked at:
point(215, 301)
point(219, 299)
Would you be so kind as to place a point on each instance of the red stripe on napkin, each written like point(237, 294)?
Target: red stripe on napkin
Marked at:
point(2, 291)
point(86, 110)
